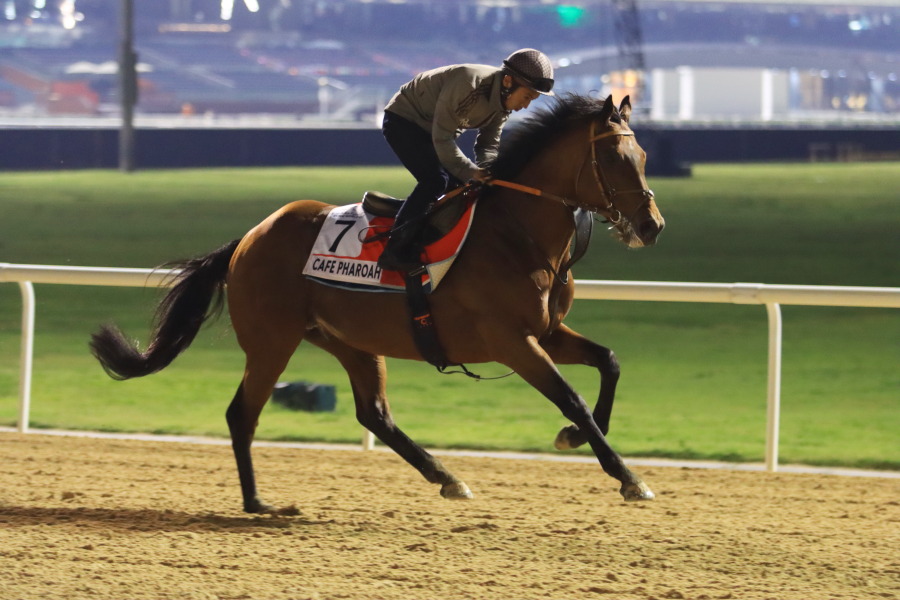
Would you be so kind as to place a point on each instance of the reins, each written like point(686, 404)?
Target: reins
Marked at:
point(528, 190)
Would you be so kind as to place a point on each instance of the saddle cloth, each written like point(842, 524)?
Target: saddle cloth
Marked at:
point(345, 255)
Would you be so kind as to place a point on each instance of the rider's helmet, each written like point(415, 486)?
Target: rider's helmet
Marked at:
point(533, 68)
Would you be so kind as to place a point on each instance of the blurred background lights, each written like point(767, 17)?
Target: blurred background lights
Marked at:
point(227, 8)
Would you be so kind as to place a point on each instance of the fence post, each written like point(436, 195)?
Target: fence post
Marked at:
point(368, 441)
point(773, 402)
point(26, 354)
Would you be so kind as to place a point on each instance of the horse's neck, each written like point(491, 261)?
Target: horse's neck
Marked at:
point(544, 223)
point(546, 219)
point(542, 226)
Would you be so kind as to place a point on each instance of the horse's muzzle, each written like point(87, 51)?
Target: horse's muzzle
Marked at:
point(650, 229)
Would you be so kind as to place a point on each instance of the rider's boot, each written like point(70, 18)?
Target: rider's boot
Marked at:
point(404, 250)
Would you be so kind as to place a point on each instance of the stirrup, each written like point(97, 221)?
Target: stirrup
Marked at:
point(408, 268)
point(389, 261)
point(402, 252)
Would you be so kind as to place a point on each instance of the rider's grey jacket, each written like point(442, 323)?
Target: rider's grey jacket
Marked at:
point(446, 101)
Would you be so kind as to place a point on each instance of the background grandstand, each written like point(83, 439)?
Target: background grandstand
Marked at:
point(339, 61)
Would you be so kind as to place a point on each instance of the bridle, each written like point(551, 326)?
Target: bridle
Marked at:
point(607, 191)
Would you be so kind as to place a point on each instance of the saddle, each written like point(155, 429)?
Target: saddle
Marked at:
point(440, 220)
point(352, 237)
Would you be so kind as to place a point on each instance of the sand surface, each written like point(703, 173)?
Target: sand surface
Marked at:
point(104, 519)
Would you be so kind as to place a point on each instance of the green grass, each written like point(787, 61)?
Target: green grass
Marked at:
point(694, 375)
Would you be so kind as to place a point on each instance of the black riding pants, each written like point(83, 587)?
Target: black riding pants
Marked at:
point(414, 148)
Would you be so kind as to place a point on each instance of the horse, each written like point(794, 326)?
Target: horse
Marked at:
point(503, 301)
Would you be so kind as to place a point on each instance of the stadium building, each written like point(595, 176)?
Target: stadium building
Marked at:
point(340, 60)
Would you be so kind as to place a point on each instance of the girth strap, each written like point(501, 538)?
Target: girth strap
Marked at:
point(424, 334)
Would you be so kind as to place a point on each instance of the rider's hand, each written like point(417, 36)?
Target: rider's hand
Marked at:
point(482, 175)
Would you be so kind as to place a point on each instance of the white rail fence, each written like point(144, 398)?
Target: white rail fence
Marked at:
point(772, 296)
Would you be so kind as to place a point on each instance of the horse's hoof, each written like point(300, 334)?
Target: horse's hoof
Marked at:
point(286, 511)
point(568, 438)
point(456, 491)
point(258, 507)
point(634, 492)
point(562, 440)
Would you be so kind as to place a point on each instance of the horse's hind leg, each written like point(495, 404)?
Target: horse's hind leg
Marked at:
point(566, 347)
point(265, 363)
point(367, 378)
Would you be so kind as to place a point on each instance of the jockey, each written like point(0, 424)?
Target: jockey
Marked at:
point(423, 120)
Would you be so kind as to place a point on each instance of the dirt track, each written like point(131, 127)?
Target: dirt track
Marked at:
point(104, 519)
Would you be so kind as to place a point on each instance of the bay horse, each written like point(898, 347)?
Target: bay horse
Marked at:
point(503, 301)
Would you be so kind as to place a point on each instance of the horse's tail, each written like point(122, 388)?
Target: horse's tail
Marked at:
point(197, 295)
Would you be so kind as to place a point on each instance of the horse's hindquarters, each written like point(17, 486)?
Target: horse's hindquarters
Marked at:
point(266, 296)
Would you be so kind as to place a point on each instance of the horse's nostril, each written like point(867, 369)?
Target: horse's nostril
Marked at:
point(650, 229)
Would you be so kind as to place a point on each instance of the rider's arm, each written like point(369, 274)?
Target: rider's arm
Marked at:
point(445, 129)
point(487, 142)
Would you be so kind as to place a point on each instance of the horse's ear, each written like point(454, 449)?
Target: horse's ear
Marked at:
point(608, 110)
point(625, 108)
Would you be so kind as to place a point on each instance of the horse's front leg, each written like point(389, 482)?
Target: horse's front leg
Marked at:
point(534, 365)
point(566, 347)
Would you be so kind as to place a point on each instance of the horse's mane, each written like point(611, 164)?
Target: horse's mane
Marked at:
point(529, 136)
